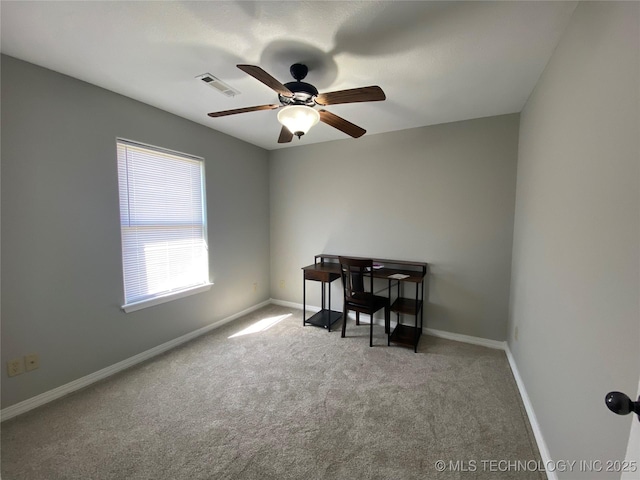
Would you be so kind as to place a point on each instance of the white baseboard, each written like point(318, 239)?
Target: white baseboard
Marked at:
point(298, 306)
point(458, 337)
point(535, 426)
point(46, 397)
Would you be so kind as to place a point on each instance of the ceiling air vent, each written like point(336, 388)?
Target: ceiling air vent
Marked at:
point(218, 85)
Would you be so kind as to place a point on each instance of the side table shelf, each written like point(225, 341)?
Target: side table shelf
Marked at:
point(410, 306)
point(407, 335)
point(324, 318)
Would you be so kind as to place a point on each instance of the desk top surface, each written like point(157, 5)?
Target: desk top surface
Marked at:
point(322, 256)
point(330, 267)
point(412, 275)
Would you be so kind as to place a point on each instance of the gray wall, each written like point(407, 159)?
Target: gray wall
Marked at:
point(61, 264)
point(575, 278)
point(443, 194)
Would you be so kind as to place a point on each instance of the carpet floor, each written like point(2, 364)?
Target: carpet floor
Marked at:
point(265, 398)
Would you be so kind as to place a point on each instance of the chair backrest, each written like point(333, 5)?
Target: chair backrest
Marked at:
point(352, 271)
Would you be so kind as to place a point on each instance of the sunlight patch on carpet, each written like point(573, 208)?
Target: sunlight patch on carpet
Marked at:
point(261, 325)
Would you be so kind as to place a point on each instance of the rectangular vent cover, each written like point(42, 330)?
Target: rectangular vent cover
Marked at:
point(218, 85)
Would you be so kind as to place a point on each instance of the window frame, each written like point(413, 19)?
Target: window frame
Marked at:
point(135, 305)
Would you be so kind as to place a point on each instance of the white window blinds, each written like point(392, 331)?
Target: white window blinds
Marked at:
point(162, 218)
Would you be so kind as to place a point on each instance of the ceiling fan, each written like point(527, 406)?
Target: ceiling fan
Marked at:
point(299, 99)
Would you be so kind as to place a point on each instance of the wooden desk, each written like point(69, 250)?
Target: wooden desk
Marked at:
point(326, 269)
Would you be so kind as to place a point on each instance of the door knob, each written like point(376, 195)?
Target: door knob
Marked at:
point(621, 404)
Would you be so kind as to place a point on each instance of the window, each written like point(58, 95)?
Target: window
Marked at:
point(162, 221)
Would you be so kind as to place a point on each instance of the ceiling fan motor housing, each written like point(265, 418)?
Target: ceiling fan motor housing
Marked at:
point(303, 94)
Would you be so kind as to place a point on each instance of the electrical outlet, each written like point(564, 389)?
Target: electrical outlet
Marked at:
point(31, 362)
point(515, 333)
point(282, 284)
point(255, 286)
point(15, 367)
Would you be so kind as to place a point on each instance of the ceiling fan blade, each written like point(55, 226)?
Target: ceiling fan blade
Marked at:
point(363, 94)
point(243, 110)
point(285, 135)
point(262, 76)
point(341, 124)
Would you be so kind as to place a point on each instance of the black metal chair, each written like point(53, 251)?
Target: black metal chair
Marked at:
point(353, 272)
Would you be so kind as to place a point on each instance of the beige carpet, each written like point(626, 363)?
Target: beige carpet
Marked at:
point(287, 402)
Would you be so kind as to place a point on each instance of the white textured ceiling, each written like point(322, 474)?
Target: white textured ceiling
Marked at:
point(436, 61)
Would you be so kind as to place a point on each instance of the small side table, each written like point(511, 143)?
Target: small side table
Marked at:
point(325, 273)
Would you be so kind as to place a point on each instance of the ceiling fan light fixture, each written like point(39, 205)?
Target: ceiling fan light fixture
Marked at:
point(298, 119)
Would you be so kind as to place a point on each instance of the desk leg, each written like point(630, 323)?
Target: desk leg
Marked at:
point(416, 333)
point(329, 316)
point(399, 295)
point(304, 300)
point(421, 306)
point(387, 324)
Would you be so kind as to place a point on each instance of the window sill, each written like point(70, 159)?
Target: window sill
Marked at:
point(132, 307)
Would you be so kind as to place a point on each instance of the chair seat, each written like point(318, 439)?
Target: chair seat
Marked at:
point(361, 302)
